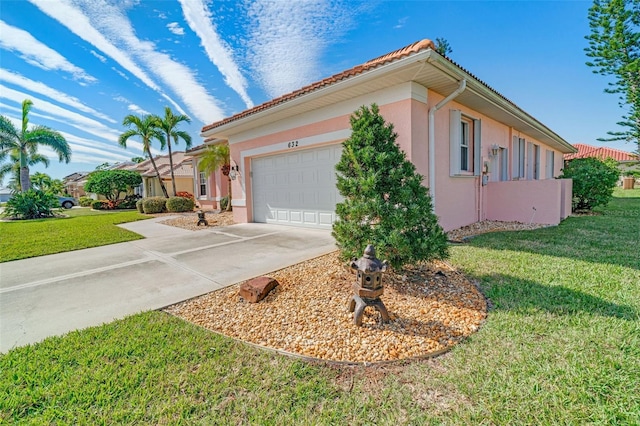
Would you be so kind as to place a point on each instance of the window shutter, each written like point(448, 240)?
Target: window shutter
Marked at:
point(454, 141)
point(515, 163)
point(477, 147)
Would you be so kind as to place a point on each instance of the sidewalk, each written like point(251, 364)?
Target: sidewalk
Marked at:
point(55, 294)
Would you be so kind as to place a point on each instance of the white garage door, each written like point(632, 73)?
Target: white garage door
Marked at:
point(296, 188)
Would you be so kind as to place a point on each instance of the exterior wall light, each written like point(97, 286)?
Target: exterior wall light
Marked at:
point(493, 151)
point(234, 171)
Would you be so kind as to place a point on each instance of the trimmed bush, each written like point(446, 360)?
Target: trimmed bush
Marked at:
point(129, 202)
point(99, 205)
point(180, 204)
point(32, 204)
point(139, 205)
point(593, 182)
point(153, 205)
point(85, 201)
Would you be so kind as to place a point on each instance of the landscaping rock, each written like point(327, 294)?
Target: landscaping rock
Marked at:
point(257, 289)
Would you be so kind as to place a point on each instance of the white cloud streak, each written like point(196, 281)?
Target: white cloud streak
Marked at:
point(136, 109)
point(38, 54)
point(43, 89)
point(62, 115)
point(199, 18)
point(107, 27)
point(287, 39)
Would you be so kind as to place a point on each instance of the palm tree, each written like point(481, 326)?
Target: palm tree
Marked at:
point(25, 143)
point(146, 128)
point(168, 125)
point(215, 157)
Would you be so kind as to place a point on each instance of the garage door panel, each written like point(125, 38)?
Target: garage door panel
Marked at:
point(296, 188)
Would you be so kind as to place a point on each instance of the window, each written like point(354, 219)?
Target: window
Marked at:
point(465, 145)
point(549, 164)
point(518, 158)
point(503, 157)
point(203, 184)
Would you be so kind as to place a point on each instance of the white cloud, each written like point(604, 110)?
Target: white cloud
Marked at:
point(138, 110)
point(43, 89)
point(287, 40)
point(175, 28)
point(38, 54)
point(73, 18)
point(106, 26)
point(401, 23)
point(200, 21)
point(99, 56)
point(61, 115)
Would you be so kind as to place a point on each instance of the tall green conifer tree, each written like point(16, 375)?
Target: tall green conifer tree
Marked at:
point(385, 203)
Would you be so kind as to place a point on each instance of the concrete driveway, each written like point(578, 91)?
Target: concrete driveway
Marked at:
point(52, 295)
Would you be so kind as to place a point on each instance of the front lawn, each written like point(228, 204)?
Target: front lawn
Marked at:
point(83, 228)
point(561, 345)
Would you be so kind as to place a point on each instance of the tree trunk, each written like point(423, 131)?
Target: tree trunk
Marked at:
point(229, 195)
point(25, 182)
point(173, 179)
point(164, 190)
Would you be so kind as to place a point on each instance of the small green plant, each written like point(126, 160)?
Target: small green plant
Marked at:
point(180, 204)
point(385, 203)
point(139, 205)
point(99, 205)
point(85, 201)
point(31, 204)
point(224, 203)
point(154, 205)
point(593, 182)
point(129, 202)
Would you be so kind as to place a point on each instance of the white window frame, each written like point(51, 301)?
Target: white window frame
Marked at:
point(457, 136)
point(202, 183)
point(549, 164)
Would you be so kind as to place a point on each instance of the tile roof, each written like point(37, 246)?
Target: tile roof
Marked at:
point(359, 69)
point(601, 152)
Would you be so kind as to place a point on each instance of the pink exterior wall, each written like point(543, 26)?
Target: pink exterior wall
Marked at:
point(537, 201)
point(459, 201)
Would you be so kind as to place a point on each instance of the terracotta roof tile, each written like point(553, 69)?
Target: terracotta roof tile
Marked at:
point(359, 69)
point(601, 152)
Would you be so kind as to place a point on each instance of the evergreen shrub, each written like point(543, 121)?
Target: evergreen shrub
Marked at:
point(593, 182)
point(180, 204)
point(32, 204)
point(153, 205)
point(385, 203)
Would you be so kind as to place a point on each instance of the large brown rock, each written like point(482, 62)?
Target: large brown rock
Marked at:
point(257, 289)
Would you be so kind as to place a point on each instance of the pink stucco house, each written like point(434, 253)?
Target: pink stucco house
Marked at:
point(482, 157)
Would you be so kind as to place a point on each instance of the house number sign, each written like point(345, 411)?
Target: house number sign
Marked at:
point(292, 144)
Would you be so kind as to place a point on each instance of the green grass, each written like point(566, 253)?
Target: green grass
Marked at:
point(83, 228)
point(561, 345)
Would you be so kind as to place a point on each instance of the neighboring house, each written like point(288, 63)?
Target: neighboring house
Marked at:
point(182, 170)
point(74, 184)
point(481, 155)
point(626, 160)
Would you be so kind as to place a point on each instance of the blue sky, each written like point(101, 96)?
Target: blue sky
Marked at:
point(88, 64)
